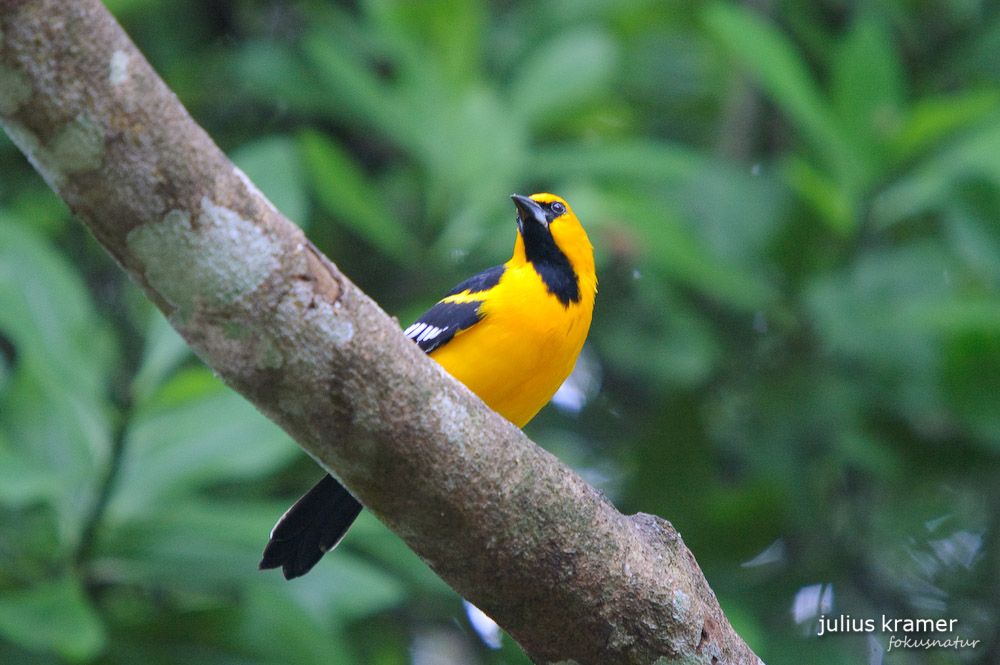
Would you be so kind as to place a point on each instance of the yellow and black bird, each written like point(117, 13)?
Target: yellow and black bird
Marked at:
point(511, 334)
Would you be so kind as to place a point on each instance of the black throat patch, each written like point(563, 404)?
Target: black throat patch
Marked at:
point(551, 264)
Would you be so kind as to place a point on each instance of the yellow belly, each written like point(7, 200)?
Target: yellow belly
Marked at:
point(522, 350)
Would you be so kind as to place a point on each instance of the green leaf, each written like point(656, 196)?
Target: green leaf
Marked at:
point(971, 381)
point(647, 160)
point(55, 413)
point(22, 479)
point(816, 189)
point(446, 34)
point(738, 212)
point(342, 189)
point(275, 74)
point(468, 150)
point(163, 351)
point(46, 311)
point(772, 60)
point(124, 7)
point(674, 249)
point(39, 209)
point(882, 313)
point(933, 119)
point(679, 348)
point(570, 69)
point(272, 621)
point(193, 433)
point(345, 588)
point(52, 616)
point(64, 435)
point(187, 543)
point(199, 544)
point(357, 93)
point(975, 155)
point(274, 164)
point(868, 86)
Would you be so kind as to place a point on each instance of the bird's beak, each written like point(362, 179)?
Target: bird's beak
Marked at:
point(528, 209)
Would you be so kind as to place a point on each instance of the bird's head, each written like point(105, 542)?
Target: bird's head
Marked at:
point(552, 238)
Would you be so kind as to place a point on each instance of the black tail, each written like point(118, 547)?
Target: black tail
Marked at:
point(310, 528)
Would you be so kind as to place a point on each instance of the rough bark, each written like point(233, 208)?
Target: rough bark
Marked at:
point(502, 521)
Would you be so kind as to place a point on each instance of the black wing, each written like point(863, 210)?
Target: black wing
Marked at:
point(484, 281)
point(442, 322)
point(318, 521)
point(446, 319)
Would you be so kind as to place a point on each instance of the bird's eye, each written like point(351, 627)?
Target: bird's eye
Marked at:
point(557, 208)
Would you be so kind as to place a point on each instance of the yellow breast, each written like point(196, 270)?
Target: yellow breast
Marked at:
point(523, 349)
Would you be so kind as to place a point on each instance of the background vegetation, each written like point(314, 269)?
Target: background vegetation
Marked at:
point(795, 356)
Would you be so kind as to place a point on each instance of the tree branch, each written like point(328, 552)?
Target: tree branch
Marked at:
point(502, 521)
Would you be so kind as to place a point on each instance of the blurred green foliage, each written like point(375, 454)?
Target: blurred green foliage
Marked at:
point(797, 340)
